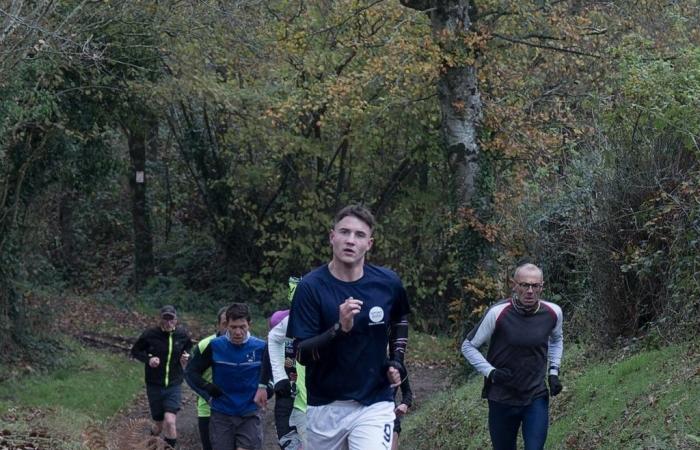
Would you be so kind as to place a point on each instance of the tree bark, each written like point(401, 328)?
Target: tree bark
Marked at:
point(458, 86)
point(143, 238)
point(458, 94)
point(66, 210)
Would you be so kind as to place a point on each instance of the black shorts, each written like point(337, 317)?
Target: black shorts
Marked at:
point(162, 400)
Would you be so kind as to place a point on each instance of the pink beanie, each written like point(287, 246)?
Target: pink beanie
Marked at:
point(277, 317)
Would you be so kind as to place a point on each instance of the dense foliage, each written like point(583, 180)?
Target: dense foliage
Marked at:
point(252, 122)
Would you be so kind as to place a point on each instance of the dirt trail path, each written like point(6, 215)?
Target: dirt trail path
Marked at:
point(134, 423)
point(129, 429)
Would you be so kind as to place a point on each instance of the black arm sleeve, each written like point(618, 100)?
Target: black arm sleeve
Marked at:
point(139, 350)
point(265, 368)
point(313, 349)
point(398, 339)
point(406, 392)
point(200, 362)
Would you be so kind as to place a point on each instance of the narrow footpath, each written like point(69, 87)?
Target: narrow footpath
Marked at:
point(129, 430)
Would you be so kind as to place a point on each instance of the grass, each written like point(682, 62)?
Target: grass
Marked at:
point(455, 419)
point(88, 386)
point(646, 400)
point(426, 349)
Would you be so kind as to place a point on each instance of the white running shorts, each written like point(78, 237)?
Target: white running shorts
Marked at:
point(349, 425)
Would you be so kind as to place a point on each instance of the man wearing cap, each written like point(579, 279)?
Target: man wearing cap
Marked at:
point(163, 350)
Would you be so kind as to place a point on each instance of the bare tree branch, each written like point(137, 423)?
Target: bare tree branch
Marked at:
point(546, 47)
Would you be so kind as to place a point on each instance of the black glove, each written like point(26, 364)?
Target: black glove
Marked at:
point(501, 376)
point(555, 386)
point(213, 390)
point(283, 388)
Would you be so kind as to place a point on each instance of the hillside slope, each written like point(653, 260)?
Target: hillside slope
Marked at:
point(646, 399)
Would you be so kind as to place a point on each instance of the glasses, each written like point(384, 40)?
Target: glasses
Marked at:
point(527, 286)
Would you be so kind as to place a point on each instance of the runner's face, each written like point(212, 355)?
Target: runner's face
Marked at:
point(223, 323)
point(528, 285)
point(168, 323)
point(237, 330)
point(350, 239)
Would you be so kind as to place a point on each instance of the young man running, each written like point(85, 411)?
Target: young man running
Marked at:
point(236, 361)
point(523, 333)
point(203, 408)
point(343, 316)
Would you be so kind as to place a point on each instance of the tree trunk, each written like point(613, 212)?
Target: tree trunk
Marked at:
point(66, 210)
point(12, 330)
point(458, 93)
point(143, 238)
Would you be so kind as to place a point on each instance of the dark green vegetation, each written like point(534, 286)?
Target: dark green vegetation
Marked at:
point(253, 122)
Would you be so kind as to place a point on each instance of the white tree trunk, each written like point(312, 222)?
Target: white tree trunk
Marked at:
point(458, 93)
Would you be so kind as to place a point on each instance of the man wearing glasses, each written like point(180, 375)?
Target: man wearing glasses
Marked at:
point(524, 334)
point(164, 349)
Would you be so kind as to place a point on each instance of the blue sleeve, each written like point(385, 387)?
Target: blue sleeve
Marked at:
point(305, 314)
point(400, 309)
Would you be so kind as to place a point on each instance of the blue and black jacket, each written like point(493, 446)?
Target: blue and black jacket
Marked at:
point(237, 370)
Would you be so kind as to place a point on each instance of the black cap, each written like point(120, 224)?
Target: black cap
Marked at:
point(168, 312)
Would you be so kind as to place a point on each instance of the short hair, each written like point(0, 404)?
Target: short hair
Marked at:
point(527, 265)
point(221, 313)
point(237, 311)
point(358, 211)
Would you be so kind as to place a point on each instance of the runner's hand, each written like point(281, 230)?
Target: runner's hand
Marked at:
point(184, 358)
point(154, 362)
point(347, 312)
point(213, 390)
point(555, 386)
point(401, 410)
point(261, 398)
point(501, 376)
point(394, 376)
